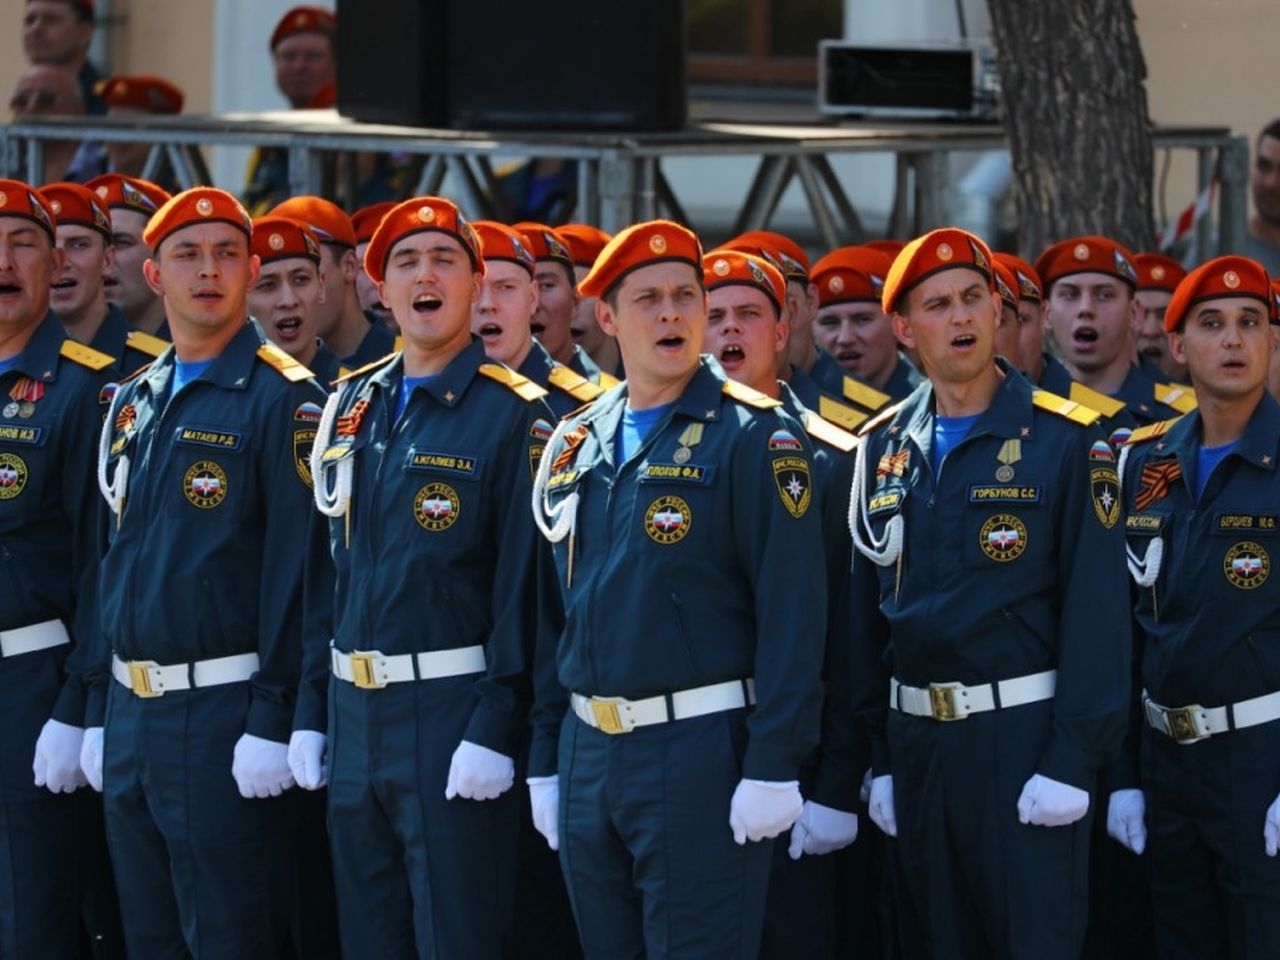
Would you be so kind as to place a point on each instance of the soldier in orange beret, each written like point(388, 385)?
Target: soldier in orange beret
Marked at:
point(135, 95)
point(987, 586)
point(678, 618)
point(1158, 277)
point(585, 243)
point(1200, 495)
point(130, 203)
point(1031, 358)
point(364, 221)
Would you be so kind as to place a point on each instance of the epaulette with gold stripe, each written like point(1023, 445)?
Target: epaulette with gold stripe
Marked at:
point(381, 361)
point(1088, 397)
point(283, 364)
point(883, 417)
point(1151, 431)
point(573, 383)
point(398, 345)
point(1071, 410)
point(841, 414)
point(146, 343)
point(822, 429)
point(608, 381)
point(86, 356)
point(1176, 395)
point(521, 386)
point(867, 397)
point(752, 398)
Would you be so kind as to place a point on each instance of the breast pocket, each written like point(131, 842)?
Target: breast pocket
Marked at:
point(446, 491)
point(24, 465)
point(212, 470)
point(1000, 534)
point(674, 507)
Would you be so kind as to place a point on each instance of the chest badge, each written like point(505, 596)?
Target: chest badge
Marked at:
point(1010, 453)
point(1104, 488)
point(1003, 538)
point(436, 507)
point(1246, 565)
point(791, 477)
point(205, 484)
point(690, 438)
point(13, 476)
point(668, 520)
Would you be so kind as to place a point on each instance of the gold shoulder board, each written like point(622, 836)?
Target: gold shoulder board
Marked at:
point(867, 397)
point(146, 343)
point(521, 386)
point(345, 374)
point(282, 363)
point(1088, 397)
point(752, 398)
point(608, 381)
point(829, 433)
point(1151, 431)
point(575, 385)
point(883, 417)
point(841, 414)
point(1176, 395)
point(1072, 410)
point(85, 356)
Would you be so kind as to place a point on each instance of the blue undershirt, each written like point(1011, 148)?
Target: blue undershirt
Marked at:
point(947, 432)
point(407, 386)
point(636, 425)
point(186, 371)
point(1207, 458)
point(7, 365)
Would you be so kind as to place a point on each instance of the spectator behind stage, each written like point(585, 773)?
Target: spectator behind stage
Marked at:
point(1262, 243)
point(132, 96)
point(48, 91)
point(57, 33)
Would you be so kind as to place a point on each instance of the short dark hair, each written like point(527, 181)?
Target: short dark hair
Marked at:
point(1271, 130)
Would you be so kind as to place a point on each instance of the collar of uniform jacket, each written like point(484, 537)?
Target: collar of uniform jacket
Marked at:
point(1260, 444)
point(230, 370)
point(699, 401)
point(39, 358)
point(450, 386)
point(1010, 414)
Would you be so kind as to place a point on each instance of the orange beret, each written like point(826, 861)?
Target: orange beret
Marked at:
point(195, 206)
point(891, 248)
point(545, 243)
point(329, 221)
point(324, 98)
point(130, 193)
point(17, 199)
point(724, 268)
point(1158, 272)
point(783, 252)
point(365, 220)
point(145, 92)
point(1275, 301)
point(1222, 277)
point(584, 242)
point(71, 203)
point(1006, 284)
point(281, 238)
point(943, 249)
point(500, 242)
point(654, 241)
point(1087, 254)
point(1029, 286)
point(304, 20)
point(420, 215)
point(85, 7)
point(850, 275)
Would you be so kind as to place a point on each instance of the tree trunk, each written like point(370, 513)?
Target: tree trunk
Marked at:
point(1075, 111)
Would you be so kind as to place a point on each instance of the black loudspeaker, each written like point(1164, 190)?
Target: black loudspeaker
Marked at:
point(502, 64)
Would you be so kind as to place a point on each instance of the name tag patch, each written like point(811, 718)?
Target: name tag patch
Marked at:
point(1139, 523)
point(1003, 493)
point(883, 502)
point(450, 462)
point(208, 437)
point(1256, 522)
point(30, 435)
point(683, 473)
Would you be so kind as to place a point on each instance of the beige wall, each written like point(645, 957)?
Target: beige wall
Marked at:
point(171, 38)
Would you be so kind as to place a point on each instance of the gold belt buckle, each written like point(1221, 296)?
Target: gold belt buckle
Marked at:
point(362, 674)
point(1183, 723)
point(942, 701)
point(140, 679)
point(605, 711)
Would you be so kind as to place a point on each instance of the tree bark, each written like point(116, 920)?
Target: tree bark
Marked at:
point(1075, 110)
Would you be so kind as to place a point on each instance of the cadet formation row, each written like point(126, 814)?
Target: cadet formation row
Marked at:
point(591, 609)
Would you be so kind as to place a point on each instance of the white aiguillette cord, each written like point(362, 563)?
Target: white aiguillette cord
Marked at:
point(113, 490)
point(887, 549)
point(564, 515)
point(331, 500)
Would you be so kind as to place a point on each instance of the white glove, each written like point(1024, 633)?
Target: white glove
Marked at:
point(478, 773)
point(261, 767)
point(544, 799)
point(821, 830)
point(1049, 803)
point(1125, 810)
point(864, 793)
point(1271, 830)
point(761, 809)
point(307, 759)
point(57, 760)
point(91, 757)
point(880, 805)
